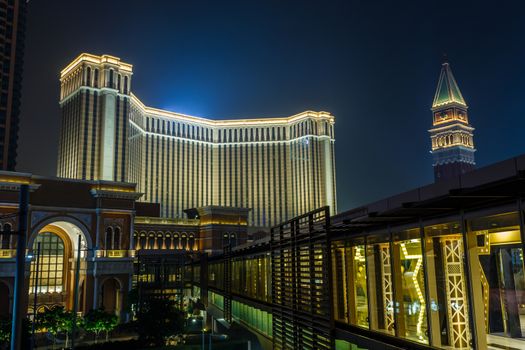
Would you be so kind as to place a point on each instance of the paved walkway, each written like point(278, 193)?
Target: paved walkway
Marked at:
point(101, 339)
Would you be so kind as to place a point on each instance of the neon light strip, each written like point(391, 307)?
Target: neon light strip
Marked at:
point(229, 143)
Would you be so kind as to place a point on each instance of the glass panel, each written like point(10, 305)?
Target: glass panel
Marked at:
point(380, 283)
point(498, 285)
point(51, 264)
point(349, 278)
point(410, 299)
point(447, 288)
point(359, 297)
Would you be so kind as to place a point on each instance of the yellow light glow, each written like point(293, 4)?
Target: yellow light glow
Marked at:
point(232, 122)
point(16, 180)
point(419, 295)
point(419, 258)
point(505, 237)
point(7, 253)
point(113, 188)
point(86, 57)
point(165, 221)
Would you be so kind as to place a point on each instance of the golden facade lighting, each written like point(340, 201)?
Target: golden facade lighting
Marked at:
point(280, 167)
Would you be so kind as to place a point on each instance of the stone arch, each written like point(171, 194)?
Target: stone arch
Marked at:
point(111, 293)
point(184, 240)
point(6, 240)
point(191, 241)
point(71, 225)
point(159, 240)
point(54, 276)
point(168, 240)
point(176, 240)
point(151, 240)
point(142, 240)
point(112, 237)
point(56, 267)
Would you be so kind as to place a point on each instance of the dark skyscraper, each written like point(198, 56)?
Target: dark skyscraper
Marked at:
point(12, 32)
point(451, 135)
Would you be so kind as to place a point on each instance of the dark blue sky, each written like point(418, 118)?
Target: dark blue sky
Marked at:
point(373, 64)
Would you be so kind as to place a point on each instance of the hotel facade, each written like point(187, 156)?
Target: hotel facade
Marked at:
point(278, 167)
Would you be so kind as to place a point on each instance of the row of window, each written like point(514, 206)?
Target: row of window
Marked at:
point(251, 175)
point(91, 77)
point(253, 134)
point(436, 285)
point(113, 238)
point(166, 240)
point(113, 80)
point(451, 139)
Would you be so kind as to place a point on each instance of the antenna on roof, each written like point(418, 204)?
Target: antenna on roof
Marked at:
point(445, 57)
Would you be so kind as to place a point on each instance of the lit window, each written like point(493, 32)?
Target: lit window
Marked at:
point(51, 265)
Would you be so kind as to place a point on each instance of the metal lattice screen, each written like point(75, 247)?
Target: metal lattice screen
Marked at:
point(301, 288)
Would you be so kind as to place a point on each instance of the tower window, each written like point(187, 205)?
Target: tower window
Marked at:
point(88, 76)
point(110, 83)
point(113, 238)
point(95, 83)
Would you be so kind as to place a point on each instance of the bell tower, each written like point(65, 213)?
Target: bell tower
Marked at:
point(451, 135)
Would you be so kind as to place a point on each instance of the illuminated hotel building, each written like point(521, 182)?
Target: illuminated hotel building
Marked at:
point(452, 136)
point(278, 167)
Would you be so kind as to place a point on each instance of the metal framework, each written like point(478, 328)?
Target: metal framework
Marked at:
point(388, 295)
point(227, 283)
point(459, 334)
point(301, 289)
point(163, 274)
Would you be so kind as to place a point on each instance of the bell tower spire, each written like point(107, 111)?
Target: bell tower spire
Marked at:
point(451, 135)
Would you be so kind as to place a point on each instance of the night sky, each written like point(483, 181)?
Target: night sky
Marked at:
point(373, 64)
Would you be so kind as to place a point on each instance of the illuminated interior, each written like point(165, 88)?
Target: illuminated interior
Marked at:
point(410, 298)
point(496, 257)
point(51, 277)
point(380, 284)
point(350, 287)
point(448, 295)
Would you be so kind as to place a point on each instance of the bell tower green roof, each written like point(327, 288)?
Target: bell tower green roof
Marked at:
point(447, 89)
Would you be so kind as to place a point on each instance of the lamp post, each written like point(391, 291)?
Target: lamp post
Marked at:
point(202, 328)
point(18, 312)
point(75, 294)
point(211, 332)
point(37, 268)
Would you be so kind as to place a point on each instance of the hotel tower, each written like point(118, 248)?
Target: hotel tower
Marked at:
point(452, 136)
point(278, 167)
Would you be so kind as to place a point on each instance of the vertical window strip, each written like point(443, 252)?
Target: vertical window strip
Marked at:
point(94, 136)
point(146, 168)
point(117, 134)
point(124, 141)
point(86, 95)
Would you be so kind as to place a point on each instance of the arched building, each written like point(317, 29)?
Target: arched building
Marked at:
point(98, 215)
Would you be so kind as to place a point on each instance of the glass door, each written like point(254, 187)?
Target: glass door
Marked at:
point(497, 275)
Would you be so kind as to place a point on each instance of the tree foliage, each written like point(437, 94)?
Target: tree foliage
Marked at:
point(5, 333)
point(96, 321)
point(157, 319)
point(56, 320)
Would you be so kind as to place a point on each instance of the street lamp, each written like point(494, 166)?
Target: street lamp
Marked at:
point(37, 267)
